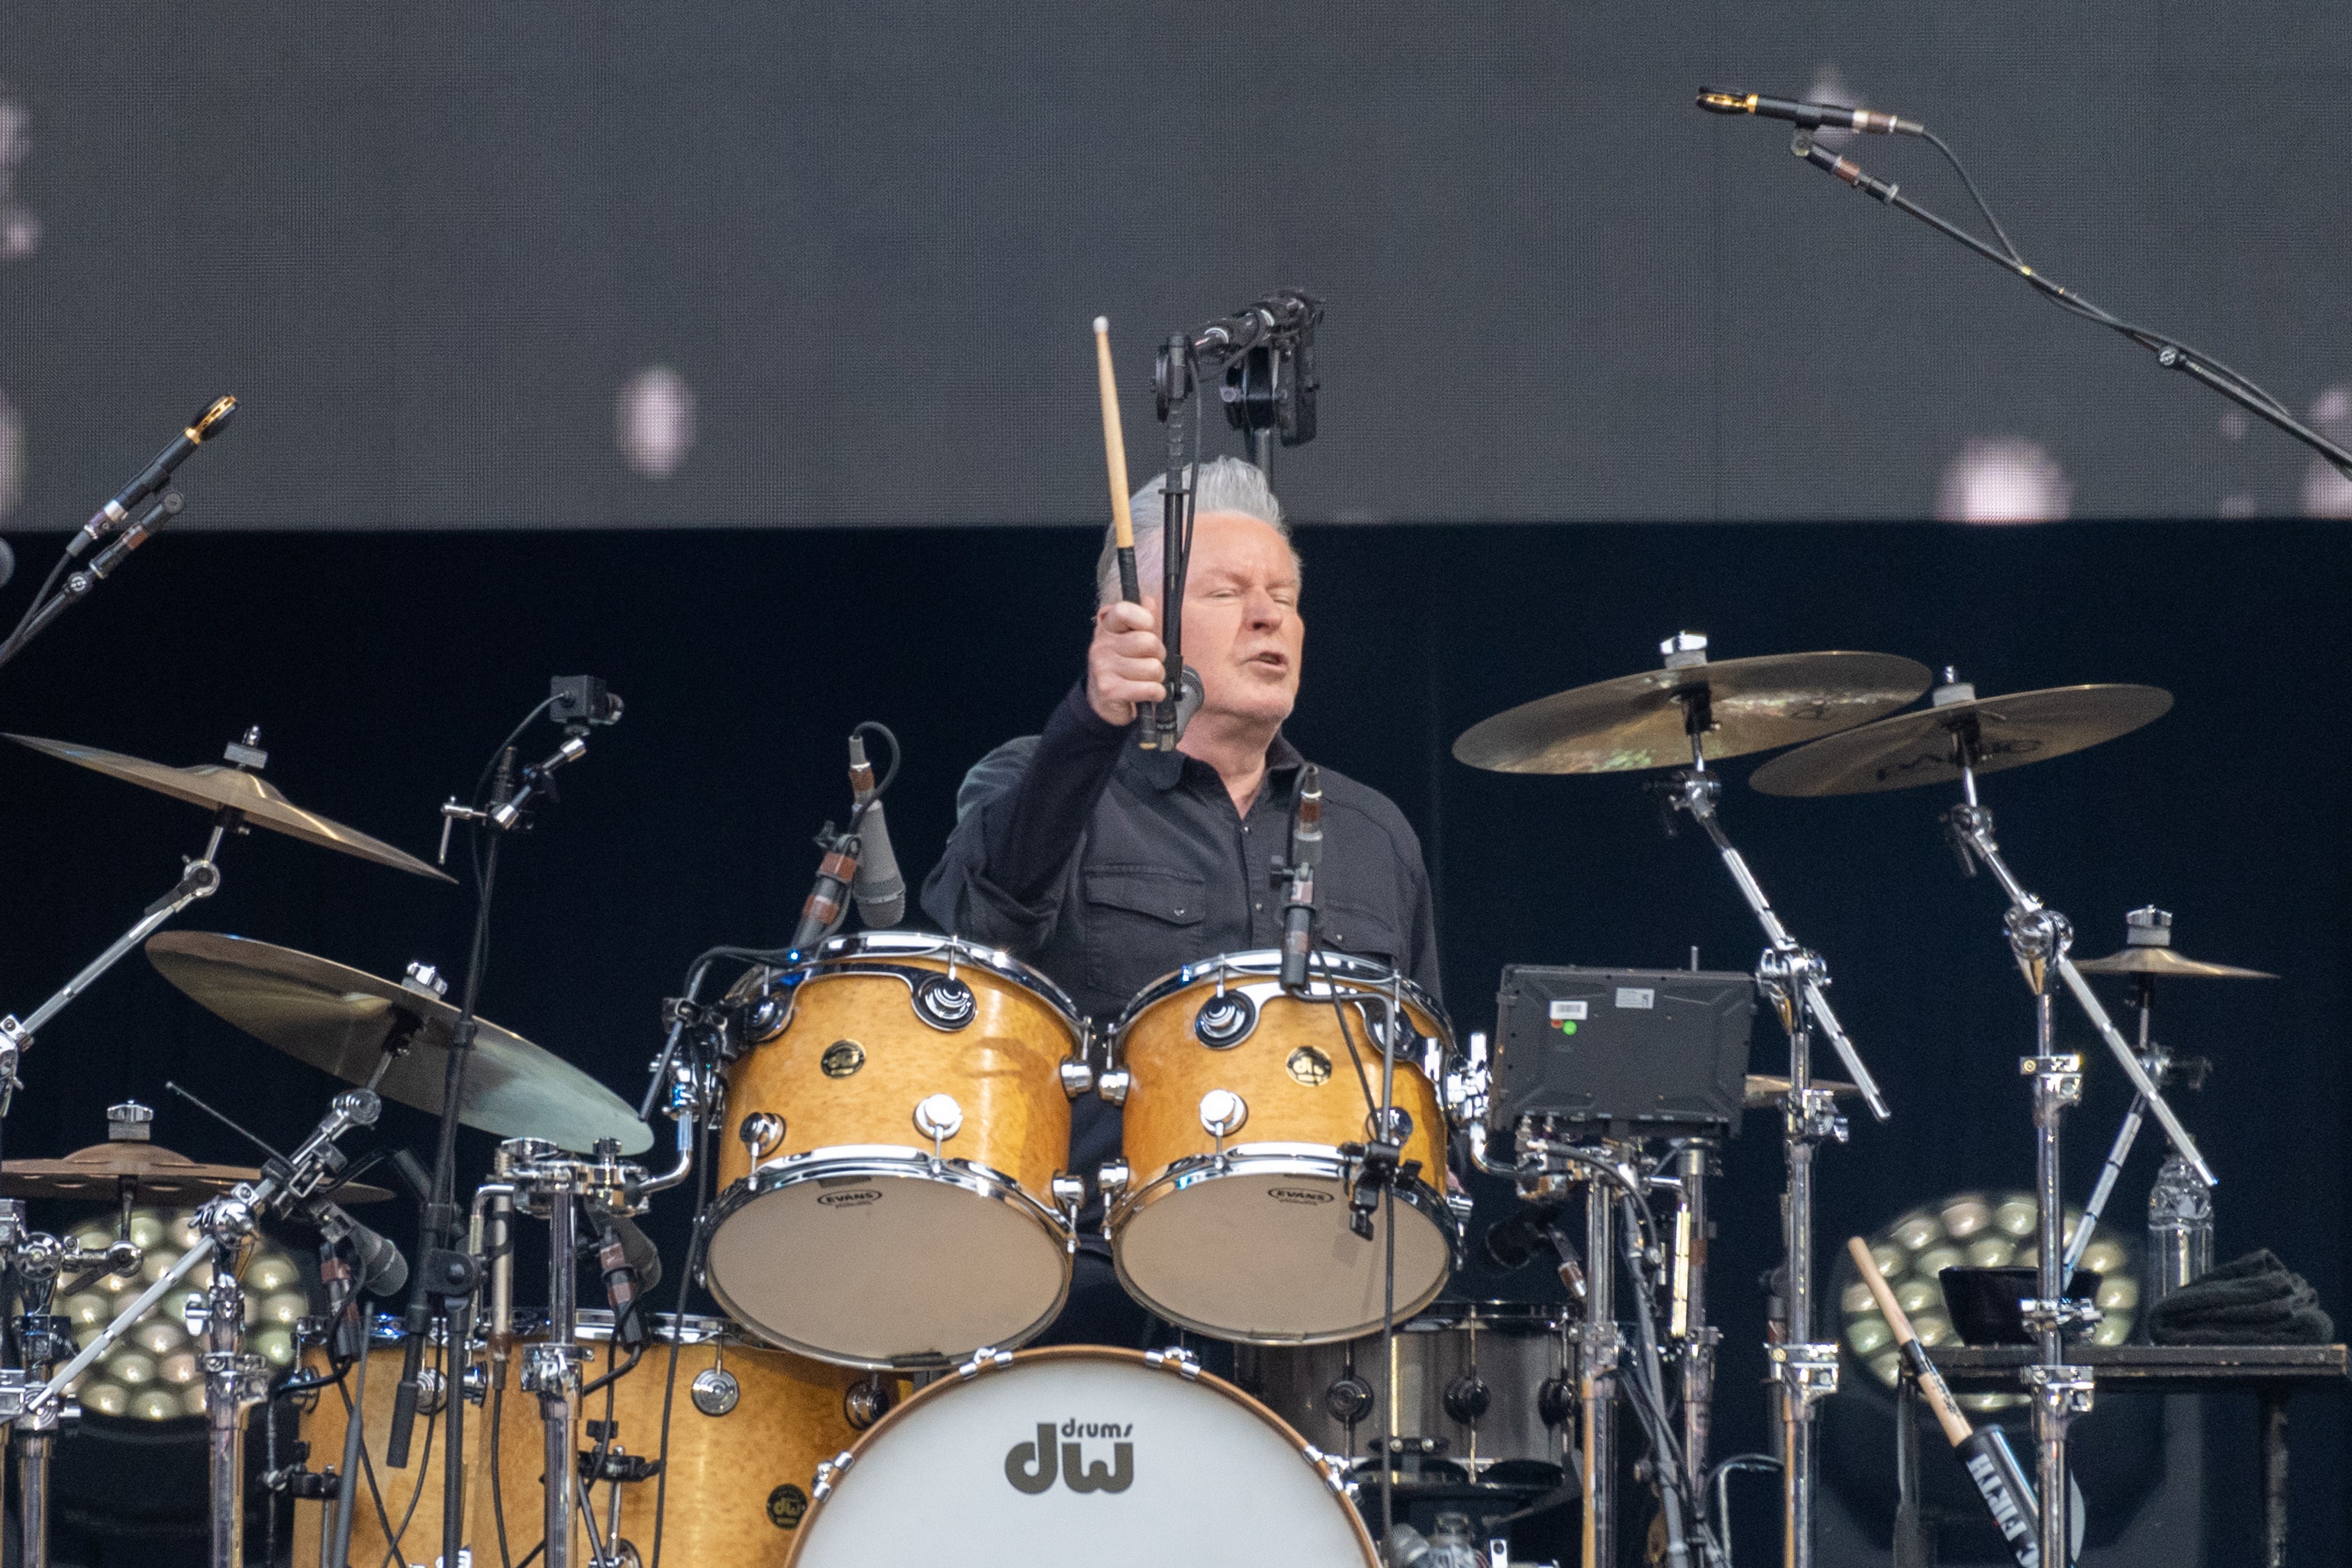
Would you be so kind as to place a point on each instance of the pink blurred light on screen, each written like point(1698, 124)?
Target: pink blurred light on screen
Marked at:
point(2004, 478)
point(654, 421)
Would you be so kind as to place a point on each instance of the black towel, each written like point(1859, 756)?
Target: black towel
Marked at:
point(2249, 1300)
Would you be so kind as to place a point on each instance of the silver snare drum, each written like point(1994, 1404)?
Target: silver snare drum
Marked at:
point(1488, 1385)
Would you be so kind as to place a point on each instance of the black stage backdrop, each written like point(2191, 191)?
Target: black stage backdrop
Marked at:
point(382, 668)
point(854, 247)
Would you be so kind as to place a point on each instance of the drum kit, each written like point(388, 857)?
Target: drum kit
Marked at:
point(878, 1125)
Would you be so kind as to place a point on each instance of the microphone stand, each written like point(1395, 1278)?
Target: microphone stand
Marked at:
point(1176, 377)
point(2170, 353)
point(447, 1276)
point(1793, 978)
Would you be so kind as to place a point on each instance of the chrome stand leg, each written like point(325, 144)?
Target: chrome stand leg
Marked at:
point(1597, 1358)
point(552, 1371)
point(2061, 1391)
point(33, 1491)
point(1688, 1325)
point(236, 1380)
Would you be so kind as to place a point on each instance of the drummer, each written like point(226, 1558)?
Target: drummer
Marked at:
point(1108, 866)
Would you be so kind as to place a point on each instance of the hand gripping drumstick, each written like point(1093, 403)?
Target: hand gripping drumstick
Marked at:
point(1122, 524)
point(1985, 1454)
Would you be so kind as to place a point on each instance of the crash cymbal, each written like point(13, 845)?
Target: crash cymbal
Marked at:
point(157, 1175)
point(1920, 747)
point(339, 1018)
point(1764, 1090)
point(216, 785)
point(2163, 960)
point(1636, 722)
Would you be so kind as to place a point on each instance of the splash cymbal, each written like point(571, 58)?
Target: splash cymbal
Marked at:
point(156, 1174)
point(2163, 960)
point(1924, 746)
point(339, 1019)
point(215, 786)
point(1636, 722)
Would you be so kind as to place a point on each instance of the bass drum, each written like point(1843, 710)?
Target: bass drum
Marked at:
point(1247, 1236)
point(1078, 1457)
point(746, 1426)
point(1487, 1387)
point(900, 1117)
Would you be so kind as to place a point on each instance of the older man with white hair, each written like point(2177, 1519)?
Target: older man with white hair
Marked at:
point(1108, 866)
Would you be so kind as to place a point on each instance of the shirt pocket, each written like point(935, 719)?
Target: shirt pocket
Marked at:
point(1361, 932)
point(1142, 921)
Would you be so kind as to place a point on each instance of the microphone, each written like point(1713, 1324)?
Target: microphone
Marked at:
point(880, 889)
point(163, 509)
point(1305, 854)
point(381, 1271)
point(1811, 116)
point(1282, 313)
point(1846, 169)
point(632, 1269)
point(208, 424)
point(823, 910)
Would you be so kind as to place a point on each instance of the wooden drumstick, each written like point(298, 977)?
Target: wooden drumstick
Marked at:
point(1122, 524)
point(1985, 1455)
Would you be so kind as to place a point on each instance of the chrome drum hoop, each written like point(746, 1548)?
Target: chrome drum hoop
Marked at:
point(867, 1162)
point(1330, 973)
point(886, 950)
point(1262, 1160)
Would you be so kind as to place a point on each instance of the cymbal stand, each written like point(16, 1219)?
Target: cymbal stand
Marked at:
point(2039, 937)
point(551, 1185)
point(235, 1379)
point(34, 1260)
point(199, 878)
point(1794, 979)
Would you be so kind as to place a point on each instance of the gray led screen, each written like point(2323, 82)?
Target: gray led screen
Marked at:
point(777, 263)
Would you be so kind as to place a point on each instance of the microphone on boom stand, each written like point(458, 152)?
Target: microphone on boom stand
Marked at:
point(1807, 116)
point(1296, 876)
point(207, 423)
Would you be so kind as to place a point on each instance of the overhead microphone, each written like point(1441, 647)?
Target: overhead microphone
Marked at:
point(1811, 116)
point(208, 424)
point(880, 887)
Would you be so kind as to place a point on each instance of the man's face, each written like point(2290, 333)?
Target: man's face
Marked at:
point(1242, 630)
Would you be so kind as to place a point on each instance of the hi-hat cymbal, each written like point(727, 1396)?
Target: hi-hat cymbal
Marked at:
point(1636, 722)
point(339, 1018)
point(1763, 1089)
point(215, 786)
point(1921, 747)
point(2163, 960)
point(156, 1174)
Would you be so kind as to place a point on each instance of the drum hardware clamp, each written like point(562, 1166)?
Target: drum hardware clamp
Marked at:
point(1175, 1359)
point(988, 1358)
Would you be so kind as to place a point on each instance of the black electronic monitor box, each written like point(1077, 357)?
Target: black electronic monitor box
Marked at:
point(1626, 1052)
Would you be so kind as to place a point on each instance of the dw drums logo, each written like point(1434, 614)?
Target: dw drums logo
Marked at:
point(1033, 1466)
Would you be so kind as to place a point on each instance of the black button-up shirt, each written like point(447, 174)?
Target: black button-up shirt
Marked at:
point(1108, 867)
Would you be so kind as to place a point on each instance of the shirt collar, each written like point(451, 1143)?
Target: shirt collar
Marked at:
point(1166, 770)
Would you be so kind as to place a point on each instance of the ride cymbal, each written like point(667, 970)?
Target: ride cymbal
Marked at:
point(1925, 746)
point(157, 1175)
point(1637, 721)
point(340, 1019)
point(215, 786)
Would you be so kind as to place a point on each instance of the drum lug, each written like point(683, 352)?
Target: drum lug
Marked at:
point(1069, 1197)
point(1180, 1362)
point(1078, 1077)
point(1111, 1181)
point(988, 1358)
point(1111, 1085)
point(761, 1134)
point(475, 1383)
point(1222, 1112)
point(829, 1471)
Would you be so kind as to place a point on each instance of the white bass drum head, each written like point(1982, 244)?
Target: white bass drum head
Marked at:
point(1080, 1457)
